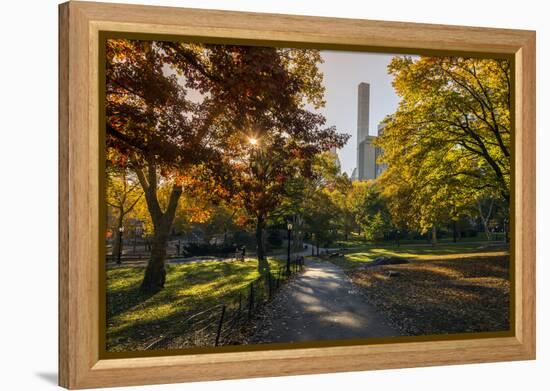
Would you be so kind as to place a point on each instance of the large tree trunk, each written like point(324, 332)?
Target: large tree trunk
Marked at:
point(317, 243)
point(155, 274)
point(454, 231)
point(263, 265)
point(434, 235)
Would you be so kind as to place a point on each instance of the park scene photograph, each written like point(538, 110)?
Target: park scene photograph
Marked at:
point(258, 195)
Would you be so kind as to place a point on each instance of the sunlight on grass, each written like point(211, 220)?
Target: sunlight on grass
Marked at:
point(421, 253)
point(189, 288)
point(122, 279)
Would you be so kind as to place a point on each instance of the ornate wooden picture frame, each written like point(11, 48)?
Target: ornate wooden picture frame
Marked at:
point(81, 25)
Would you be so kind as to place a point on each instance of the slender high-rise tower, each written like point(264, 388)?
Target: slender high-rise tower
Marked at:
point(365, 148)
point(363, 107)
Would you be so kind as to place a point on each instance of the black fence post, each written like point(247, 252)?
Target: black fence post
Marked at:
point(240, 302)
point(220, 326)
point(264, 290)
point(251, 300)
point(269, 289)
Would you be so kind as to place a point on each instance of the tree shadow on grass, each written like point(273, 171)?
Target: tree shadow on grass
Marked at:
point(122, 289)
point(135, 319)
point(124, 299)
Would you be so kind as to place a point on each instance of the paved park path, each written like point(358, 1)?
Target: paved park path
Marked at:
point(321, 304)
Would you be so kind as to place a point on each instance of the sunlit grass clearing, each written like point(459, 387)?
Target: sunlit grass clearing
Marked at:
point(189, 288)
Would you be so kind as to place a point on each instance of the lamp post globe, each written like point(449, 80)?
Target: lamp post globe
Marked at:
point(289, 231)
point(119, 255)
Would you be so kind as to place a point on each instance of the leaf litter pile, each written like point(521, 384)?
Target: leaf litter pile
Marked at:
point(440, 297)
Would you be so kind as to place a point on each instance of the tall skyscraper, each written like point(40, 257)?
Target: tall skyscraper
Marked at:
point(363, 107)
point(366, 152)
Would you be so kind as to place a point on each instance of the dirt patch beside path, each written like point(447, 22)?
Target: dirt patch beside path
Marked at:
point(440, 297)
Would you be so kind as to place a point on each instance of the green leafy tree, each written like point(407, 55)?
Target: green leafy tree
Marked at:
point(448, 143)
point(275, 177)
point(319, 217)
point(123, 194)
point(377, 227)
point(364, 201)
point(245, 91)
point(299, 194)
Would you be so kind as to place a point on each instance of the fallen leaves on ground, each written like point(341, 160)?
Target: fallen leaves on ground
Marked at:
point(440, 297)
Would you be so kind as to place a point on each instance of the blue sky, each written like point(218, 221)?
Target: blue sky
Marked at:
point(343, 71)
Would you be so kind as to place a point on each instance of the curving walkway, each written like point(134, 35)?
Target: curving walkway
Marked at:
point(321, 304)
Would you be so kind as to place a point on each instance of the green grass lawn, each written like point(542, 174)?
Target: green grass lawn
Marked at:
point(134, 319)
point(358, 258)
point(359, 241)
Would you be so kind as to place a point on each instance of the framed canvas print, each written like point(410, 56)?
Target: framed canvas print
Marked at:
point(247, 195)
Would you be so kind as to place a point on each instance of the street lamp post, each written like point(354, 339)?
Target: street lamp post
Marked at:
point(397, 237)
point(289, 230)
point(119, 255)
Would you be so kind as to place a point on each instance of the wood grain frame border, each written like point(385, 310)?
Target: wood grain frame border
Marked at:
point(80, 22)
